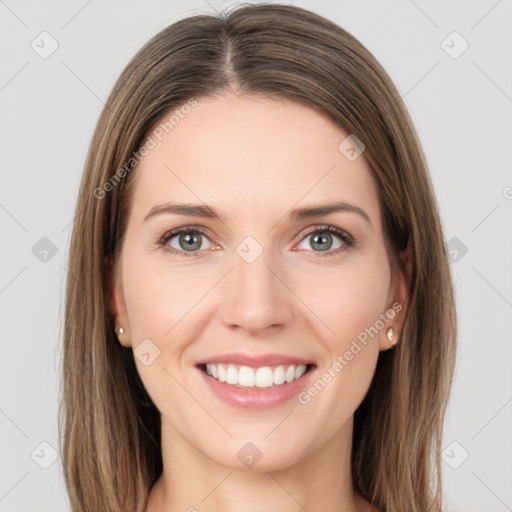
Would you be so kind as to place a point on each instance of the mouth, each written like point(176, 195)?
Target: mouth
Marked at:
point(256, 378)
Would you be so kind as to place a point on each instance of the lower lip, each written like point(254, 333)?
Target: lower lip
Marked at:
point(254, 398)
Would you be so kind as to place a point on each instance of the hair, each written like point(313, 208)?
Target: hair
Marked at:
point(110, 434)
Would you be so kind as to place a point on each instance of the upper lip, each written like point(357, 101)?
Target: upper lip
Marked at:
point(255, 361)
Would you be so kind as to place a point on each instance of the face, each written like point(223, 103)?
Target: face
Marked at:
point(255, 280)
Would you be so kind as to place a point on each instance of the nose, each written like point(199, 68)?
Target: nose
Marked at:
point(256, 297)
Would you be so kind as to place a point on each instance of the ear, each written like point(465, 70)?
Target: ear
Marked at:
point(115, 301)
point(397, 300)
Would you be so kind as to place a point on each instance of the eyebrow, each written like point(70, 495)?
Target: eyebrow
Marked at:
point(206, 211)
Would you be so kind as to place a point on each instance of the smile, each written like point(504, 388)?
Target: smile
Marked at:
point(255, 388)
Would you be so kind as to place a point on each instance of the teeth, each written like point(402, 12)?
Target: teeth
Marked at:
point(232, 375)
point(264, 377)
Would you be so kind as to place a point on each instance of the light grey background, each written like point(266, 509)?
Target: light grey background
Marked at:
point(461, 108)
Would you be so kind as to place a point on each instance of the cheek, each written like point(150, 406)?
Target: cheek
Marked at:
point(157, 303)
point(157, 297)
point(351, 306)
point(348, 300)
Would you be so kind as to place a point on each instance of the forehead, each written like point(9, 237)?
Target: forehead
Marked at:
point(250, 154)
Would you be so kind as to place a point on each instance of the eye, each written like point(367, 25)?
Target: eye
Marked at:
point(188, 240)
point(322, 240)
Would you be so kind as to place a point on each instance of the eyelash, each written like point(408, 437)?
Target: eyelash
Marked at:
point(344, 237)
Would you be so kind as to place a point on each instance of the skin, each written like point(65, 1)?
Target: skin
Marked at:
point(254, 159)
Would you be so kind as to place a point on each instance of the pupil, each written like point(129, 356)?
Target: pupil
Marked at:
point(321, 238)
point(190, 240)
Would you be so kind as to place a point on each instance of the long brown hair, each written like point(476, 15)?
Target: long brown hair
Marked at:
point(110, 435)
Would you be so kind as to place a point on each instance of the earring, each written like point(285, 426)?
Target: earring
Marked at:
point(120, 331)
point(390, 336)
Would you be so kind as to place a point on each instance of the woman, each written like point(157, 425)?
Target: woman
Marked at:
point(259, 308)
